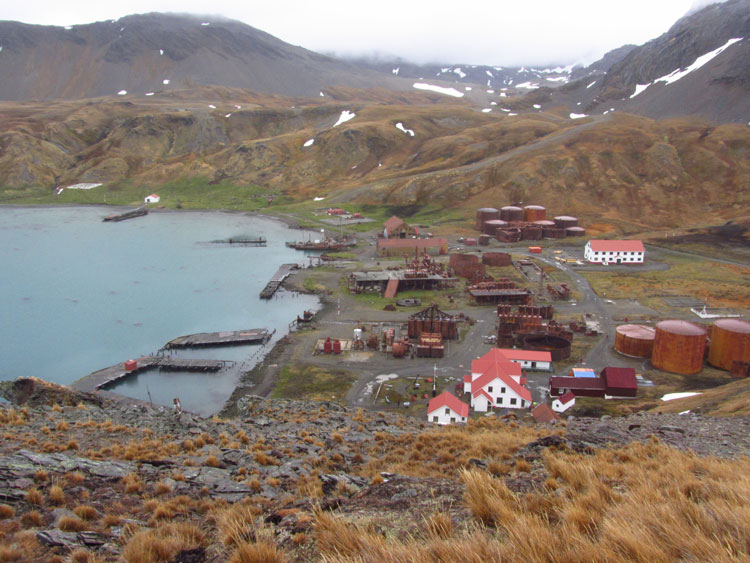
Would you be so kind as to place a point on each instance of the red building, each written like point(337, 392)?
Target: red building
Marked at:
point(620, 382)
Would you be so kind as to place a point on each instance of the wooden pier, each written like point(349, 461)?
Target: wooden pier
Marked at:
point(127, 214)
point(278, 278)
point(107, 377)
point(226, 338)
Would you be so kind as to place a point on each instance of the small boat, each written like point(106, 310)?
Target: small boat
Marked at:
point(131, 214)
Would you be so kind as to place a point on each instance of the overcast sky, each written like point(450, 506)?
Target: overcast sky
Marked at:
point(499, 32)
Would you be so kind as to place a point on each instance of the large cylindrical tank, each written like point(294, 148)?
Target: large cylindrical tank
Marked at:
point(575, 231)
point(484, 240)
point(486, 214)
point(553, 232)
point(399, 349)
point(511, 213)
point(490, 227)
point(636, 341)
point(565, 221)
point(679, 347)
point(531, 232)
point(533, 213)
point(730, 342)
point(545, 223)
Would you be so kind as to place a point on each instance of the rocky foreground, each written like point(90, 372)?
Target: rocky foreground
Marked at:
point(83, 478)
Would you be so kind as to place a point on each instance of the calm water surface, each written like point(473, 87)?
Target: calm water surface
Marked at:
point(77, 294)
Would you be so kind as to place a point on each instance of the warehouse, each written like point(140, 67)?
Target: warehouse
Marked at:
point(614, 252)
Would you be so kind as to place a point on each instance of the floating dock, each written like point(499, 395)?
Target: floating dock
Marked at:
point(226, 338)
point(278, 278)
point(107, 377)
point(127, 215)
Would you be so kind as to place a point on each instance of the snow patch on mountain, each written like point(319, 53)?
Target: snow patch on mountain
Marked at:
point(438, 89)
point(400, 127)
point(345, 116)
point(308, 143)
point(577, 115)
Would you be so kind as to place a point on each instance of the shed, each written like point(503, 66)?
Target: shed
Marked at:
point(564, 402)
point(620, 382)
point(544, 414)
point(153, 198)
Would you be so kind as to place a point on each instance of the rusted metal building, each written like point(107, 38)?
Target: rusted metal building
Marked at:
point(405, 246)
point(397, 228)
point(679, 347)
point(636, 341)
point(491, 227)
point(512, 234)
point(499, 292)
point(496, 259)
point(730, 342)
point(486, 214)
point(466, 265)
point(433, 320)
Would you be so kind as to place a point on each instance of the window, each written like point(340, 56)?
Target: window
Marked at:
point(447, 410)
point(489, 389)
point(434, 419)
point(500, 401)
point(513, 401)
point(453, 419)
point(523, 403)
point(502, 389)
point(533, 364)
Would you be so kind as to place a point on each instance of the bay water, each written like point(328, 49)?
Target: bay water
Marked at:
point(78, 295)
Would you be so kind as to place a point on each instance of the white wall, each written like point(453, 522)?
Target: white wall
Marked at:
point(444, 417)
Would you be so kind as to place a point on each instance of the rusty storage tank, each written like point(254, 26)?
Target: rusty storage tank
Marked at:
point(327, 346)
point(511, 213)
point(531, 232)
point(484, 240)
point(545, 223)
point(679, 347)
point(399, 349)
point(575, 231)
point(337, 346)
point(533, 213)
point(636, 341)
point(486, 214)
point(553, 232)
point(490, 227)
point(565, 221)
point(730, 342)
point(496, 259)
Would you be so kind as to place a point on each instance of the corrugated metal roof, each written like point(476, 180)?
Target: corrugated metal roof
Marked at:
point(525, 355)
point(616, 245)
point(392, 224)
point(622, 378)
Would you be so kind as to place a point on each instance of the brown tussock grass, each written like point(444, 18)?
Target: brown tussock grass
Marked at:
point(32, 519)
point(86, 512)
point(33, 496)
point(71, 524)
point(163, 543)
point(56, 495)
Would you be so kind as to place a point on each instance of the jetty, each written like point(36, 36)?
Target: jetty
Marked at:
point(243, 241)
point(226, 338)
point(278, 278)
point(109, 376)
point(140, 211)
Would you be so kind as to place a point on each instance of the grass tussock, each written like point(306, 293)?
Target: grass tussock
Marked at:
point(163, 543)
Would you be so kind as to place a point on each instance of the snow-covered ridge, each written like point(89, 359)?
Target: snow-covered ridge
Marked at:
point(438, 89)
point(679, 73)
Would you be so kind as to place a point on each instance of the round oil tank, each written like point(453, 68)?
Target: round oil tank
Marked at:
point(679, 347)
point(636, 341)
point(490, 227)
point(565, 221)
point(730, 342)
point(511, 213)
point(575, 231)
point(484, 240)
point(533, 213)
point(545, 223)
point(557, 346)
point(486, 214)
point(553, 232)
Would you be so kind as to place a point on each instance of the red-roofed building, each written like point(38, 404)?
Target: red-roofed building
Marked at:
point(402, 246)
point(580, 386)
point(529, 359)
point(620, 382)
point(496, 387)
point(446, 408)
point(614, 251)
point(564, 402)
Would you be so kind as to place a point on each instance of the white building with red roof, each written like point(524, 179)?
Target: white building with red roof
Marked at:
point(496, 382)
point(564, 402)
point(615, 251)
point(152, 198)
point(529, 359)
point(446, 408)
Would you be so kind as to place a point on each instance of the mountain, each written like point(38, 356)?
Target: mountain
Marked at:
point(159, 52)
point(699, 67)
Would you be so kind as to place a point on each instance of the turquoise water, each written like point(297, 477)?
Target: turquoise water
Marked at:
point(78, 295)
